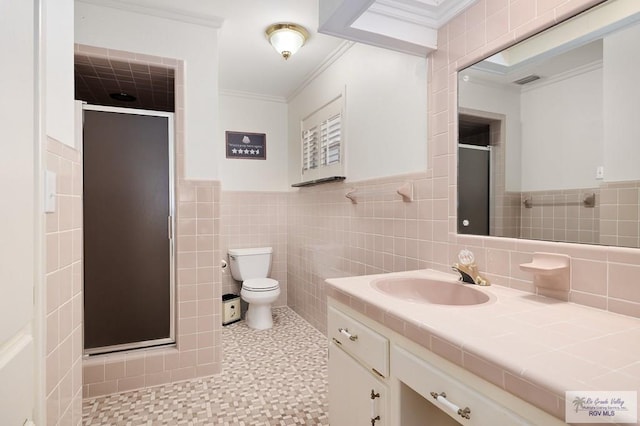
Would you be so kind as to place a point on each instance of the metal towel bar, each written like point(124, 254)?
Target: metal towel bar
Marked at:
point(589, 200)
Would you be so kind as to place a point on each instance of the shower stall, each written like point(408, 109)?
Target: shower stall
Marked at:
point(128, 213)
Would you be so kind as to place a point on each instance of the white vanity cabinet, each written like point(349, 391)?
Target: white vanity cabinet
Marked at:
point(358, 363)
point(356, 397)
point(365, 356)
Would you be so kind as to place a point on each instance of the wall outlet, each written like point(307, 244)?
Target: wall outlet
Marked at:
point(600, 172)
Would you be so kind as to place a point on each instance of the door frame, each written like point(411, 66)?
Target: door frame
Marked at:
point(171, 340)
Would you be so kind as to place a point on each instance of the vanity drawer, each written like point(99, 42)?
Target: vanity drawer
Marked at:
point(370, 347)
point(426, 379)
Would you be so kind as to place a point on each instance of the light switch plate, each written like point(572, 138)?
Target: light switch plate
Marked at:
point(49, 191)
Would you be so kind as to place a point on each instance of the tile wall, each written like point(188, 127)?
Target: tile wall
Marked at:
point(328, 236)
point(255, 219)
point(620, 214)
point(198, 308)
point(63, 288)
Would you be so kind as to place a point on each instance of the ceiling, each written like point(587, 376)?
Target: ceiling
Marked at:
point(248, 65)
point(97, 78)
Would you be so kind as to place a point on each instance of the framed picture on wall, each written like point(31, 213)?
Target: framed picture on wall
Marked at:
point(246, 145)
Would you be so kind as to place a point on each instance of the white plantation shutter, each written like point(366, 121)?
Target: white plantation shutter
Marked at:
point(322, 142)
point(310, 148)
point(330, 140)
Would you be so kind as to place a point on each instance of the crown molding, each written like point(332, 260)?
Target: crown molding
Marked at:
point(160, 12)
point(429, 14)
point(252, 96)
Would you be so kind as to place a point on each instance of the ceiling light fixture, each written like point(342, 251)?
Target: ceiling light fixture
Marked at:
point(122, 96)
point(286, 38)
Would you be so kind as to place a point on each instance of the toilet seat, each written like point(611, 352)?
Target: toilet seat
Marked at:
point(260, 284)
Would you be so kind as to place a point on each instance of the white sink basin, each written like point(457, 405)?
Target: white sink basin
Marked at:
point(425, 290)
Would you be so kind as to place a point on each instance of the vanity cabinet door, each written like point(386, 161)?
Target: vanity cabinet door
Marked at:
point(350, 392)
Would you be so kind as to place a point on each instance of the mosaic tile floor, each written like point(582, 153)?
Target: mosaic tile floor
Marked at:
point(270, 377)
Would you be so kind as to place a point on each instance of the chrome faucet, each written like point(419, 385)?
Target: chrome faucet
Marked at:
point(468, 270)
point(469, 274)
point(464, 277)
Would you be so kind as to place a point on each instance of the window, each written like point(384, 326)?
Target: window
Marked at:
point(322, 142)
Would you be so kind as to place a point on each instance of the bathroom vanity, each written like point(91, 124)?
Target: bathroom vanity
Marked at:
point(400, 360)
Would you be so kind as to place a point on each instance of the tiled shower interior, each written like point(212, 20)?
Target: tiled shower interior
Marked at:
point(198, 323)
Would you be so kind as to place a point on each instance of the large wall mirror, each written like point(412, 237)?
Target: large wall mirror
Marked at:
point(549, 134)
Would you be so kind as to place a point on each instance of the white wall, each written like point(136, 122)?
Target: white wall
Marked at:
point(562, 133)
point(621, 112)
point(195, 44)
point(385, 121)
point(19, 387)
point(58, 27)
point(243, 114)
point(478, 95)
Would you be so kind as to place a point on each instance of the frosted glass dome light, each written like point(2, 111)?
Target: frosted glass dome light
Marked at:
point(286, 38)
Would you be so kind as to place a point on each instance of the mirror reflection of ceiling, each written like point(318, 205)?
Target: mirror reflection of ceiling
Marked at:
point(468, 128)
point(545, 68)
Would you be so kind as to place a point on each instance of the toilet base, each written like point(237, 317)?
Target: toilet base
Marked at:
point(259, 317)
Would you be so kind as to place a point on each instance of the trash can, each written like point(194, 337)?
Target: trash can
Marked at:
point(231, 311)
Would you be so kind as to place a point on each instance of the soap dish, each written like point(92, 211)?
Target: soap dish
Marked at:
point(551, 274)
point(546, 263)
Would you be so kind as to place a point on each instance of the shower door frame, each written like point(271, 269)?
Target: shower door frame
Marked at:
point(171, 340)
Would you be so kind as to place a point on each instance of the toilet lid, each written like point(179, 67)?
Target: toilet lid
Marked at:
point(260, 284)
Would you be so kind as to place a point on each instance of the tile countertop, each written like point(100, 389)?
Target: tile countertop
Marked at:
point(533, 347)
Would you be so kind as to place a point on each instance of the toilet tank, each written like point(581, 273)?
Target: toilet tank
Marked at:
point(250, 263)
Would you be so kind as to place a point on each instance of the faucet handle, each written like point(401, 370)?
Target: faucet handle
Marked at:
point(466, 257)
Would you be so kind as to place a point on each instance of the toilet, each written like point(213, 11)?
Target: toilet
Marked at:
point(251, 266)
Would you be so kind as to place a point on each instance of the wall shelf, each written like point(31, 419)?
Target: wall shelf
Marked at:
point(319, 181)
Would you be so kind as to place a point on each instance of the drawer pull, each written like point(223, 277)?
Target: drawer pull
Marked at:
point(374, 417)
point(345, 332)
point(441, 397)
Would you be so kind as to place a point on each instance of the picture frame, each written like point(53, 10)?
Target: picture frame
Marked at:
point(246, 145)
